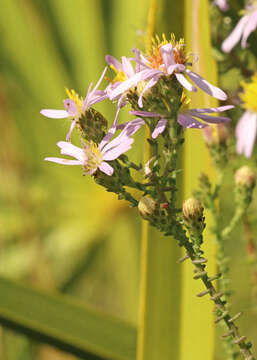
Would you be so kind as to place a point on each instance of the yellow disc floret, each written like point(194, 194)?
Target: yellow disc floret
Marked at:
point(120, 75)
point(155, 56)
point(94, 157)
point(249, 96)
point(185, 102)
point(78, 100)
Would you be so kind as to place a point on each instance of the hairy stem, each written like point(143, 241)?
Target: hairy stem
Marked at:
point(221, 308)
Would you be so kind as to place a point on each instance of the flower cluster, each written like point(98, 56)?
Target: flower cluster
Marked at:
point(135, 78)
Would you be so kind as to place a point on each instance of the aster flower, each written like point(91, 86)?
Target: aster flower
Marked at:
point(93, 156)
point(222, 4)
point(246, 25)
point(167, 58)
point(246, 128)
point(76, 106)
point(188, 117)
point(126, 76)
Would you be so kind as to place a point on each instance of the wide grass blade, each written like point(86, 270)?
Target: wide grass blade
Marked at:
point(159, 308)
point(197, 333)
point(58, 321)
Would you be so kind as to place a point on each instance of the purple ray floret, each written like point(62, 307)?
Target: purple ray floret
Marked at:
point(246, 25)
point(188, 118)
point(74, 109)
point(222, 4)
point(151, 75)
point(246, 133)
point(92, 156)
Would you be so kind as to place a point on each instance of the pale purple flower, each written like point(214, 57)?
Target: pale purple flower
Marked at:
point(76, 106)
point(93, 156)
point(246, 133)
point(222, 4)
point(246, 25)
point(188, 118)
point(167, 67)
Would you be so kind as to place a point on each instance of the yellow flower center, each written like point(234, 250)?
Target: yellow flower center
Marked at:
point(185, 103)
point(155, 57)
point(94, 157)
point(78, 100)
point(249, 96)
point(120, 75)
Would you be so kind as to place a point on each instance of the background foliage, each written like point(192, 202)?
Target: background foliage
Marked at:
point(58, 230)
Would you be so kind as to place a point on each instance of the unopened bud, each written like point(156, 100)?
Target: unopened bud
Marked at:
point(224, 132)
point(192, 209)
point(208, 135)
point(147, 206)
point(216, 135)
point(245, 176)
point(194, 221)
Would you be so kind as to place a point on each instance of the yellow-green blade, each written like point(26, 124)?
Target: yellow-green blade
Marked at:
point(160, 288)
point(59, 321)
point(197, 333)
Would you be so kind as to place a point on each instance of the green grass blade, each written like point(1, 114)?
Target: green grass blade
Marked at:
point(60, 322)
point(159, 309)
point(197, 335)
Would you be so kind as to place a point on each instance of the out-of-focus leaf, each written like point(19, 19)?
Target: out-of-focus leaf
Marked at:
point(58, 321)
point(26, 41)
point(197, 333)
point(159, 307)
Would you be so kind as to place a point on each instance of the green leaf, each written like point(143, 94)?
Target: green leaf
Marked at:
point(159, 308)
point(59, 321)
point(197, 330)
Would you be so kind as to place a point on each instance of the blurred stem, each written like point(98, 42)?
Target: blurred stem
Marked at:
point(252, 255)
point(221, 258)
point(234, 221)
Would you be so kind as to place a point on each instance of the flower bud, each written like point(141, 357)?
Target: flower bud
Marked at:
point(208, 135)
point(192, 209)
point(147, 206)
point(216, 135)
point(245, 176)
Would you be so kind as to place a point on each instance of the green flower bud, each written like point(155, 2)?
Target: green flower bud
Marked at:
point(245, 176)
point(93, 125)
point(192, 210)
point(147, 207)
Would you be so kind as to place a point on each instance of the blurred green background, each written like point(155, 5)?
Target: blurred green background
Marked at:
point(58, 230)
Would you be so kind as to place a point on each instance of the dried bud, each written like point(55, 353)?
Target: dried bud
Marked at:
point(245, 176)
point(147, 206)
point(192, 209)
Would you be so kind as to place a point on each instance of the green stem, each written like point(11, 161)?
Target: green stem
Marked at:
point(222, 311)
point(252, 255)
point(221, 259)
point(235, 220)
